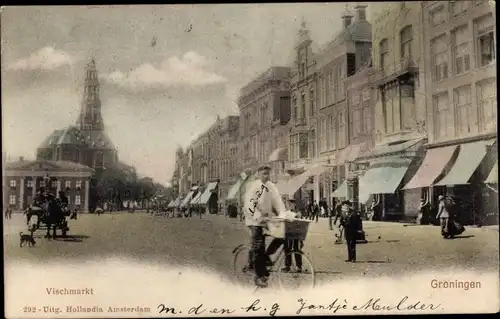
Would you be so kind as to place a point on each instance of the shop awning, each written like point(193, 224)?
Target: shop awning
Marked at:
point(196, 198)
point(341, 192)
point(382, 177)
point(188, 197)
point(279, 154)
point(296, 182)
point(208, 192)
point(493, 177)
point(434, 162)
point(233, 191)
point(469, 158)
point(175, 202)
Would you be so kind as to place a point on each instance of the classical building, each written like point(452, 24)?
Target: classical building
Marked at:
point(86, 143)
point(319, 130)
point(460, 84)
point(23, 178)
point(264, 106)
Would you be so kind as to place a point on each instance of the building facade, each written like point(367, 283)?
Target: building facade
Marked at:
point(264, 106)
point(22, 179)
point(86, 143)
point(461, 98)
point(319, 130)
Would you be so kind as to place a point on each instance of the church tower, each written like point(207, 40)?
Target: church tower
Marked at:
point(90, 118)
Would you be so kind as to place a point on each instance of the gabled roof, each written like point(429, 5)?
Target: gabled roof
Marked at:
point(41, 165)
point(360, 30)
point(68, 136)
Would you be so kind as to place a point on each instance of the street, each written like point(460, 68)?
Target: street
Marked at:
point(392, 248)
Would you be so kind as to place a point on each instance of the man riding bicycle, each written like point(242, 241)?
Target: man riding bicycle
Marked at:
point(262, 202)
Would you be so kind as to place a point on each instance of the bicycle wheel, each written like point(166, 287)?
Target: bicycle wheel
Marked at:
point(241, 262)
point(295, 279)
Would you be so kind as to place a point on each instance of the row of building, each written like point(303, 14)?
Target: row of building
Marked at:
point(392, 112)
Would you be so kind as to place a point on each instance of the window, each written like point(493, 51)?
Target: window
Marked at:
point(406, 38)
point(42, 183)
point(462, 100)
point(331, 89)
point(357, 125)
point(322, 92)
point(294, 147)
point(78, 200)
point(295, 108)
point(312, 102)
point(406, 105)
point(487, 103)
point(341, 132)
point(340, 89)
point(302, 70)
point(263, 110)
point(303, 106)
point(78, 184)
point(442, 125)
point(438, 16)
point(439, 49)
point(12, 199)
point(67, 184)
point(367, 120)
point(322, 132)
point(384, 54)
point(485, 28)
point(461, 50)
point(330, 139)
point(29, 183)
point(13, 183)
point(303, 145)
point(312, 144)
point(459, 7)
point(53, 184)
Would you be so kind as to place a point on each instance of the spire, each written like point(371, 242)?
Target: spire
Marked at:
point(90, 118)
point(347, 17)
point(304, 34)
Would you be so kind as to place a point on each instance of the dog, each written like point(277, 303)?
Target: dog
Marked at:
point(25, 238)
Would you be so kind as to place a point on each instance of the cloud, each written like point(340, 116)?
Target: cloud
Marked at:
point(190, 69)
point(46, 58)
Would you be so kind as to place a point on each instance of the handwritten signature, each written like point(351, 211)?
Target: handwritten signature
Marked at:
point(255, 200)
point(373, 304)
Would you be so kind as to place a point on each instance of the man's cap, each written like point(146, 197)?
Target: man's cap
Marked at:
point(264, 168)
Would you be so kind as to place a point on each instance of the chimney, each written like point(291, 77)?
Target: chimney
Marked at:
point(360, 12)
point(347, 18)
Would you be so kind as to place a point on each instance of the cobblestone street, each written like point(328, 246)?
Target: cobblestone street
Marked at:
point(391, 249)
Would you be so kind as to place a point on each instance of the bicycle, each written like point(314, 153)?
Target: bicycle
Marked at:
point(287, 229)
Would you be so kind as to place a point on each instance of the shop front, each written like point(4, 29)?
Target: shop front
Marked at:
point(460, 171)
point(384, 170)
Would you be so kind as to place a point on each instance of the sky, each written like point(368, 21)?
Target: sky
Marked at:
point(166, 72)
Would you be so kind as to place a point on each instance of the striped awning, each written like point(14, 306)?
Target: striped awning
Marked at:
point(295, 183)
point(469, 158)
point(205, 197)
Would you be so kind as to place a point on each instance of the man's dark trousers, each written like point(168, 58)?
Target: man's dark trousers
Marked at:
point(258, 251)
point(350, 237)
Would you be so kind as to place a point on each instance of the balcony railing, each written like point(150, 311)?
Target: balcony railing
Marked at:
point(393, 71)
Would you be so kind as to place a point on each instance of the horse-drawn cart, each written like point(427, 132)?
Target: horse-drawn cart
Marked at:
point(51, 215)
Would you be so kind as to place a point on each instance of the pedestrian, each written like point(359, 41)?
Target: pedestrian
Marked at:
point(331, 214)
point(293, 245)
point(262, 201)
point(447, 214)
point(351, 222)
point(10, 213)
